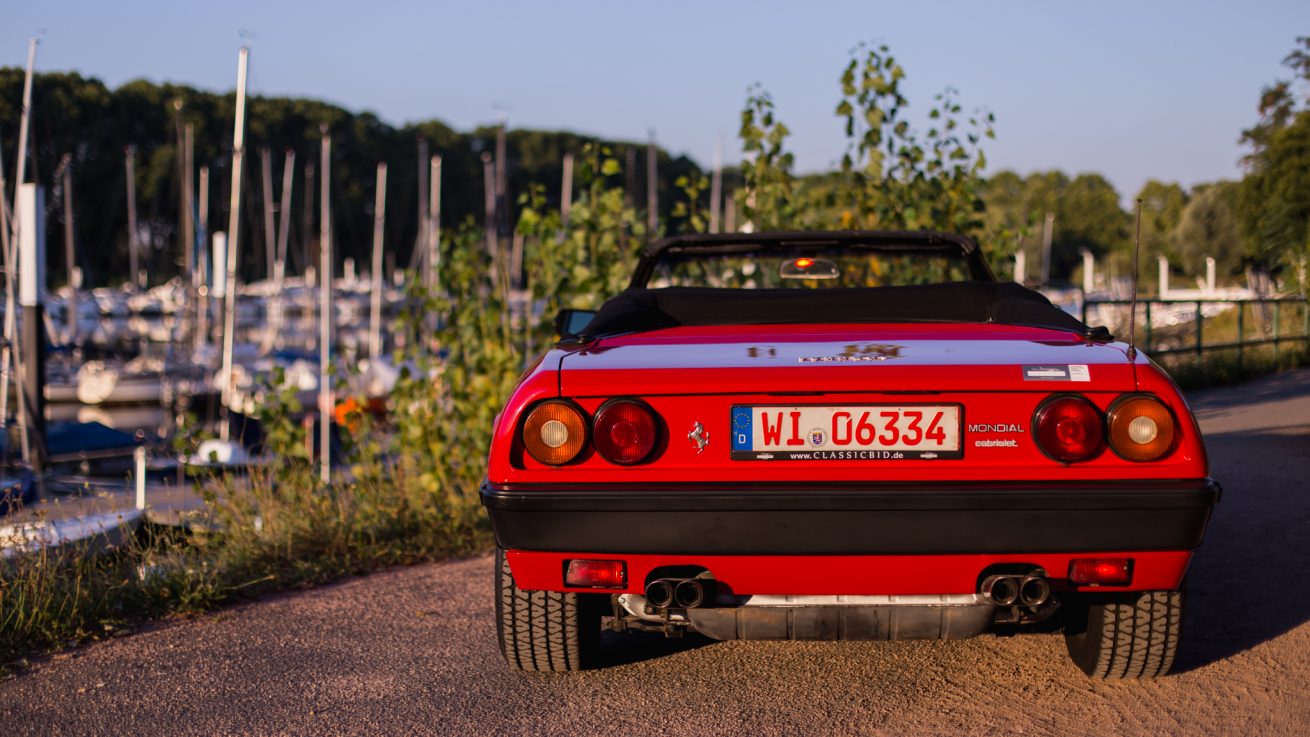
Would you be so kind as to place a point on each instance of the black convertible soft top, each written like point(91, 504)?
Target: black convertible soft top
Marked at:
point(639, 310)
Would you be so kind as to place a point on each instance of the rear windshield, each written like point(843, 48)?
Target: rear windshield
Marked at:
point(744, 267)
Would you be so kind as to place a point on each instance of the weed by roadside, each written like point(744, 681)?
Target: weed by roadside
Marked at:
point(274, 529)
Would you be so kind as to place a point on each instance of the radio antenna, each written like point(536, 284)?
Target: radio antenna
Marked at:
point(1132, 311)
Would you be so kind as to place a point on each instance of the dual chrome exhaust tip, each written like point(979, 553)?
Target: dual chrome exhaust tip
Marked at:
point(1028, 590)
point(684, 593)
point(1003, 590)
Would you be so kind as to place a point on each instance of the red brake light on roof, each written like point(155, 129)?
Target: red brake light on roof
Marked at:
point(804, 263)
point(1101, 571)
point(596, 574)
point(624, 431)
point(1069, 428)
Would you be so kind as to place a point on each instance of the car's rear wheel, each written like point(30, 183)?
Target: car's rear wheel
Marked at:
point(1129, 635)
point(544, 630)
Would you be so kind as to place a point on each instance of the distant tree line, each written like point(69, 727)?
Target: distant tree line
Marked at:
point(1186, 226)
point(83, 119)
point(1261, 221)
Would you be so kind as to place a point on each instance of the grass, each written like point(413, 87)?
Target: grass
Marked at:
point(277, 529)
point(1221, 366)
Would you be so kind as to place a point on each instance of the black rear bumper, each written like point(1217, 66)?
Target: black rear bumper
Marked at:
point(851, 519)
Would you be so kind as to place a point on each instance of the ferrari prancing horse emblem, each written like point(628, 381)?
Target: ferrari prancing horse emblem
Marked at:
point(700, 436)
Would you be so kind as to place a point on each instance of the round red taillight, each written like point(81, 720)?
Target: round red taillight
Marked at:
point(1069, 429)
point(624, 431)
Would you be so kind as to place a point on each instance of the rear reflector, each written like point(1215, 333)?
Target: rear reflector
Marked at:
point(1101, 571)
point(596, 574)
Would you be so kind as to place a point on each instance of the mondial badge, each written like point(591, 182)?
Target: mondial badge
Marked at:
point(699, 436)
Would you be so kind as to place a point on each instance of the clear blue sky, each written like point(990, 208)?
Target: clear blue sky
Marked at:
point(1134, 90)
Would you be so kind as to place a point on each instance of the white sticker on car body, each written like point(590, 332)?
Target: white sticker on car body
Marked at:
point(1046, 373)
point(1072, 372)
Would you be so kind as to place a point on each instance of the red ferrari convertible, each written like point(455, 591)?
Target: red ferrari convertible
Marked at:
point(841, 436)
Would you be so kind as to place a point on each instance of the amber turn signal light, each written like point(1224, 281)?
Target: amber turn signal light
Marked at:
point(1141, 428)
point(555, 432)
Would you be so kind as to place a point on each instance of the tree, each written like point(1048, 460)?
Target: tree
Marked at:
point(1278, 101)
point(765, 198)
point(1274, 199)
point(1208, 228)
point(899, 178)
point(1162, 208)
point(1006, 206)
point(1273, 202)
point(1086, 210)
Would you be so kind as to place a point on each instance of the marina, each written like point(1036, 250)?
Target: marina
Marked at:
point(119, 402)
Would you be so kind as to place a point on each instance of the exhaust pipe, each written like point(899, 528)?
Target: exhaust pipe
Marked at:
point(689, 594)
point(659, 593)
point(1034, 591)
point(1003, 590)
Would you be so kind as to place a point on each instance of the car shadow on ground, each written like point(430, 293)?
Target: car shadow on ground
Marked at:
point(1249, 582)
point(1276, 388)
point(626, 648)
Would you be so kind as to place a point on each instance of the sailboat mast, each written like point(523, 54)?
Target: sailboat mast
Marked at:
point(325, 311)
point(378, 283)
point(133, 265)
point(202, 259)
point(421, 238)
point(233, 235)
point(434, 225)
point(25, 123)
point(283, 235)
point(188, 202)
point(70, 262)
point(13, 350)
point(284, 217)
point(179, 157)
point(652, 182)
point(266, 179)
point(6, 353)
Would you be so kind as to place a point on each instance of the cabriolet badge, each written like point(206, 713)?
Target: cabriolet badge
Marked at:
point(699, 436)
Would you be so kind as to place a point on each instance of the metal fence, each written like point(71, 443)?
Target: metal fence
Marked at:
point(1265, 314)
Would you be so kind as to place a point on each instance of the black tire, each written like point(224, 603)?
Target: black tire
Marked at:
point(544, 631)
point(1129, 635)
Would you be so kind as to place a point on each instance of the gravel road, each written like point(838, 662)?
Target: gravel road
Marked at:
point(413, 651)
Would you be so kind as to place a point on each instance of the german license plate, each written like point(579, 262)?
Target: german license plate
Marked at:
point(882, 432)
